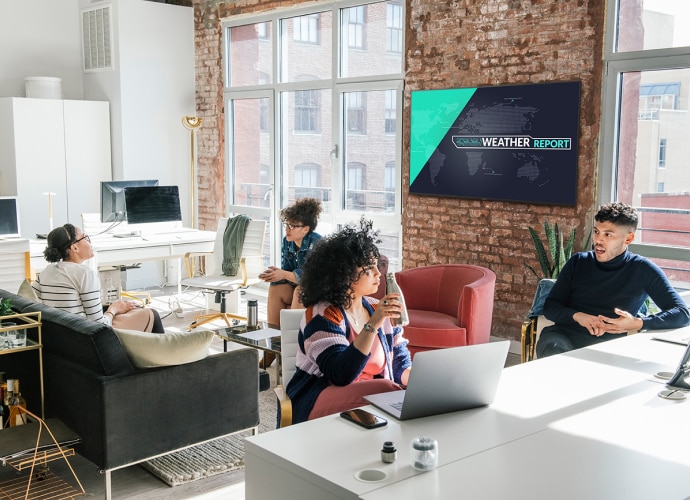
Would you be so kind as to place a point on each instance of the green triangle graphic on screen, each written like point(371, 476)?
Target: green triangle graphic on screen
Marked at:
point(433, 112)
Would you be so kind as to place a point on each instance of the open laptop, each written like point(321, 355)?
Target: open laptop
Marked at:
point(680, 336)
point(445, 380)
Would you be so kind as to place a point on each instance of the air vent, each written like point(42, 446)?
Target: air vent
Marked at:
point(97, 39)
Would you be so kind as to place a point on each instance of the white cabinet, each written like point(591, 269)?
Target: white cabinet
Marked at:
point(53, 146)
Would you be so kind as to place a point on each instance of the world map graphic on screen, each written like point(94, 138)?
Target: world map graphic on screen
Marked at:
point(511, 143)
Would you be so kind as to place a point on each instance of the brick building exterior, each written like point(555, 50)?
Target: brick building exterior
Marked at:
point(459, 43)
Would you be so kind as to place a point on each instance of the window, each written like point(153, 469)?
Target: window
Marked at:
point(319, 106)
point(394, 27)
point(355, 27)
point(389, 112)
point(307, 111)
point(356, 115)
point(645, 110)
point(306, 29)
point(355, 195)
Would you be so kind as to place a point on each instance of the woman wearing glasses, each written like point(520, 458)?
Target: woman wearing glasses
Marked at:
point(70, 285)
point(300, 220)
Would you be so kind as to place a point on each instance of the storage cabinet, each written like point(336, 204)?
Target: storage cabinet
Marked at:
point(53, 146)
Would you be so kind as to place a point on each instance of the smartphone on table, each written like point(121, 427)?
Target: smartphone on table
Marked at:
point(364, 418)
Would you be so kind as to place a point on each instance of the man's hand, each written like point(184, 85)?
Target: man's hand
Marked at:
point(594, 324)
point(625, 322)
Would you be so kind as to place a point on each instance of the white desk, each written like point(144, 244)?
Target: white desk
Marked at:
point(14, 265)
point(550, 399)
point(112, 251)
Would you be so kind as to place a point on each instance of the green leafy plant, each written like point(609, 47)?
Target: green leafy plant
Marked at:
point(6, 307)
point(551, 262)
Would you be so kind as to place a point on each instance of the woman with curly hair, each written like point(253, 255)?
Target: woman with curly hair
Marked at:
point(300, 220)
point(70, 285)
point(348, 346)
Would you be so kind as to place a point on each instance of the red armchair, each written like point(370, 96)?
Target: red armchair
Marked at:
point(449, 305)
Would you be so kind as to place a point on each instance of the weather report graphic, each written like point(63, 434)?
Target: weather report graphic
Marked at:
point(510, 143)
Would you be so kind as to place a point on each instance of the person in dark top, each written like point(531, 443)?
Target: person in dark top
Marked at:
point(598, 294)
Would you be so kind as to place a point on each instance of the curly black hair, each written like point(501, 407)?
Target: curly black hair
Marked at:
point(619, 214)
point(337, 261)
point(306, 211)
point(58, 243)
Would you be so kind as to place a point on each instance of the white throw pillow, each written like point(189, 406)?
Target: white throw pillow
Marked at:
point(26, 291)
point(150, 350)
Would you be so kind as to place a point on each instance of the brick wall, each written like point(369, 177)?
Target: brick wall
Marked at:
point(458, 43)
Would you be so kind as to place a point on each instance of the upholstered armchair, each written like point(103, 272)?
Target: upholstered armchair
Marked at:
point(449, 305)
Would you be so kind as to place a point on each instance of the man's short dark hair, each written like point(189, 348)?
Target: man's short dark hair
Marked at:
point(619, 214)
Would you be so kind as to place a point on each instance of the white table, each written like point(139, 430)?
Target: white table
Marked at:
point(555, 400)
point(112, 251)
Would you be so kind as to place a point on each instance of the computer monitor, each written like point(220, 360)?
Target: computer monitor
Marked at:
point(9, 217)
point(113, 198)
point(152, 204)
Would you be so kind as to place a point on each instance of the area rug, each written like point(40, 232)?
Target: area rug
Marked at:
point(215, 457)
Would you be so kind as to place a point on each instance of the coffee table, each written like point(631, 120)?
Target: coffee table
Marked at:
point(265, 339)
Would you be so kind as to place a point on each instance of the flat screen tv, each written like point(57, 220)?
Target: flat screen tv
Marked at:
point(9, 217)
point(507, 143)
point(113, 198)
point(152, 204)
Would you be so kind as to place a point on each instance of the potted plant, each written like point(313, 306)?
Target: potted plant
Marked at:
point(558, 254)
point(6, 307)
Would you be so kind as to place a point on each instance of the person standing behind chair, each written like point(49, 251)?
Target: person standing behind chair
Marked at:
point(598, 293)
point(70, 285)
point(300, 220)
point(348, 347)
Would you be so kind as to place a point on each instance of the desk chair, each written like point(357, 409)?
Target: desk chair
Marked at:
point(91, 224)
point(536, 321)
point(251, 265)
point(289, 329)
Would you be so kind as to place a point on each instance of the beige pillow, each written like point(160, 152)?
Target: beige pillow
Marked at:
point(150, 350)
point(26, 291)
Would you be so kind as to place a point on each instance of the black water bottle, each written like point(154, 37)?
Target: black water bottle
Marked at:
point(252, 314)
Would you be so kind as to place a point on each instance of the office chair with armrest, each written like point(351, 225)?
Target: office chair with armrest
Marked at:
point(251, 265)
point(535, 322)
point(289, 329)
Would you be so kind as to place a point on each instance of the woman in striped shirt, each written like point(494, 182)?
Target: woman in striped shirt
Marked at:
point(70, 285)
point(348, 347)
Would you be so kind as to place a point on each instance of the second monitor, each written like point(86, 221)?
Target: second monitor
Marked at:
point(149, 204)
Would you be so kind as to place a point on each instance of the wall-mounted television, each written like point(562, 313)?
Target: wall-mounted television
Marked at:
point(148, 204)
point(507, 143)
point(113, 198)
point(9, 217)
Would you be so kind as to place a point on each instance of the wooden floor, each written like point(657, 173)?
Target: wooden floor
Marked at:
point(135, 482)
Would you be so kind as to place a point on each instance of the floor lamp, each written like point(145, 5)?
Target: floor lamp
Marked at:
point(192, 123)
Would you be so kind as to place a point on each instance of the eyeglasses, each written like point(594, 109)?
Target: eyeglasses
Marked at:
point(291, 226)
point(85, 237)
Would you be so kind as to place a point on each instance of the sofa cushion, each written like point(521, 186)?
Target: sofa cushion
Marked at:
point(150, 350)
point(26, 291)
point(89, 343)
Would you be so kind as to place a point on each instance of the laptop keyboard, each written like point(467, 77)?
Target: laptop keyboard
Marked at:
point(398, 405)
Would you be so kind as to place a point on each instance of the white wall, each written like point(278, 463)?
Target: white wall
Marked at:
point(40, 38)
point(150, 90)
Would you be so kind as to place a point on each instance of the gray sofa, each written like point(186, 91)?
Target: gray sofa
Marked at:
point(126, 415)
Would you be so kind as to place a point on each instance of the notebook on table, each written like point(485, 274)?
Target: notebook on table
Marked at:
point(445, 380)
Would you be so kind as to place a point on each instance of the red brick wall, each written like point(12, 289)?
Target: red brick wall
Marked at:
point(464, 43)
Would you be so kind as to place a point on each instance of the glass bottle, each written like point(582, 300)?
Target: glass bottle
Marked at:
point(392, 287)
point(16, 401)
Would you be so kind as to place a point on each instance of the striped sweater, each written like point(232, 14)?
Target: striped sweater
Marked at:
point(327, 357)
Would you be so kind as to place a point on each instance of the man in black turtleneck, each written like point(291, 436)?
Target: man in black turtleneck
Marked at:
point(598, 293)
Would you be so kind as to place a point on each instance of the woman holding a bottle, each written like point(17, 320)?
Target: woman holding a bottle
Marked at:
point(349, 347)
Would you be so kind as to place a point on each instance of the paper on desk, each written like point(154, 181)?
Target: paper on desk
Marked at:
point(264, 333)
